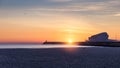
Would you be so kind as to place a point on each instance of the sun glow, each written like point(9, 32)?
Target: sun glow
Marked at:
point(70, 41)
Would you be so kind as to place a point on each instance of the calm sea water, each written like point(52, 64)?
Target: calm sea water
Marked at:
point(40, 46)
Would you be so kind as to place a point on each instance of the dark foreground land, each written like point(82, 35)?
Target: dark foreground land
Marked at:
point(60, 58)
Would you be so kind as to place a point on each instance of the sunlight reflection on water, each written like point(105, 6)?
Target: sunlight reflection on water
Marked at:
point(42, 46)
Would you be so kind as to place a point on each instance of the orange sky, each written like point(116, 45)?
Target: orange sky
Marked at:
point(16, 33)
point(56, 20)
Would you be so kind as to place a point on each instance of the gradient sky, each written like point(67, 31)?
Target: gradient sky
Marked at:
point(58, 20)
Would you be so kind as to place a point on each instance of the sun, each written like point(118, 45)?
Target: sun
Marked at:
point(70, 41)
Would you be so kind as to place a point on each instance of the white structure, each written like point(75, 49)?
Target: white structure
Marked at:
point(101, 37)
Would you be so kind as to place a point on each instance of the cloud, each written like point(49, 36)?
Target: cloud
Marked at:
point(71, 8)
point(118, 14)
point(97, 7)
point(84, 7)
point(60, 0)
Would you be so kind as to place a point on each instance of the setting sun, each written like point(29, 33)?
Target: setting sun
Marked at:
point(70, 41)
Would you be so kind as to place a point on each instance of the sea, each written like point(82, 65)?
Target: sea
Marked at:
point(58, 56)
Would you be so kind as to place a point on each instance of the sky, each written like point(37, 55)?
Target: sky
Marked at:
point(58, 20)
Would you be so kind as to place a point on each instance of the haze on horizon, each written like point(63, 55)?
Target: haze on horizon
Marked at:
point(57, 20)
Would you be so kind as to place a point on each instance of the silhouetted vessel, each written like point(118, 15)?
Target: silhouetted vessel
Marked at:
point(101, 39)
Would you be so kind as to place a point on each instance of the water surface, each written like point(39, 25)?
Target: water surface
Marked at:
point(39, 46)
